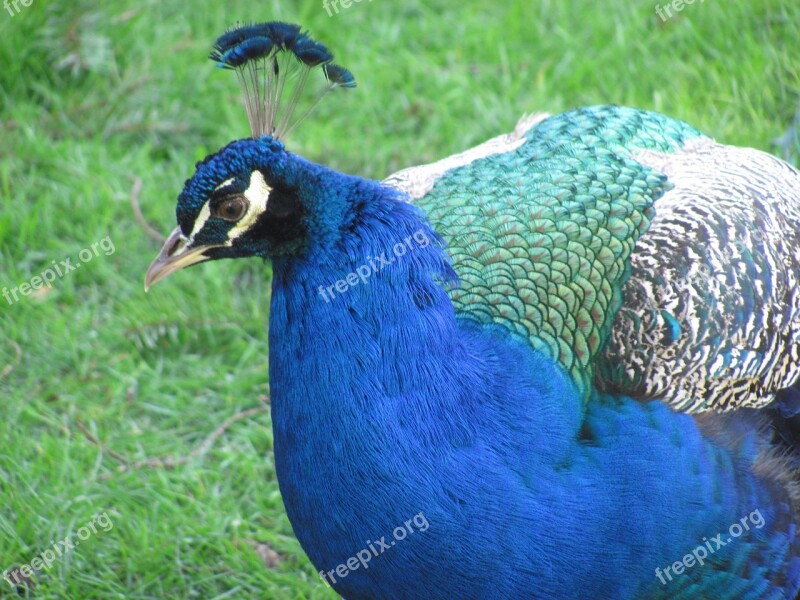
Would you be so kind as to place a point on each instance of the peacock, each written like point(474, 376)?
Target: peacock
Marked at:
point(558, 365)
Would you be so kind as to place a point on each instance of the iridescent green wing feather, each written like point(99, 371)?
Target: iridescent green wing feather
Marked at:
point(541, 223)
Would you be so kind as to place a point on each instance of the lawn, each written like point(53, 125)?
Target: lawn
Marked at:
point(113, 400)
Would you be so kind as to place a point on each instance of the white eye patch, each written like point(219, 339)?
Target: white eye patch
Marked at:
point(200, 221)
point(225, 183)
point(257, 194)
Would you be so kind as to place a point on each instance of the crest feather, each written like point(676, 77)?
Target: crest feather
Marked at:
point(272, 62)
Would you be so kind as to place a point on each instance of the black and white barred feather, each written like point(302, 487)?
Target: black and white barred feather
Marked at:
point(711, 312)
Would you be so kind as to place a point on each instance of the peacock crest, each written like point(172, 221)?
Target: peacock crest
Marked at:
point(273, 62)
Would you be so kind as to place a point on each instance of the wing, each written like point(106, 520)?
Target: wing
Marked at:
point(711, 316)
point(643, 256)
point(541, 223)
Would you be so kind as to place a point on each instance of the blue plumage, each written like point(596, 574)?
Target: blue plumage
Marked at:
point(273, 61)
point(247, 43)
point(339, 76)
point(444, 349)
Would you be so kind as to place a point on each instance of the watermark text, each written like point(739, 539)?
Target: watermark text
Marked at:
point(701, 552)
point(676, 5)
point(12, 6)
point(375, 549)
point(335, 4)
point(60, 269)
point(419, 239)
point(17, 575)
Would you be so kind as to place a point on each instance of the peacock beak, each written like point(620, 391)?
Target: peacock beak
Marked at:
point(175, 255)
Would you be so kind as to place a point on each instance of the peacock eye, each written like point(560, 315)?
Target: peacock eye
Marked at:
point(231, 209)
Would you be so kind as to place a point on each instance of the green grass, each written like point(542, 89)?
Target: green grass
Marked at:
point(94, 95)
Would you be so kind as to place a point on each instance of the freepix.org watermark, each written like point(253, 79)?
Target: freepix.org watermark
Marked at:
point(375, 549)
point(59, 548)
point(328, 4)
point(419, 239)
point(12, 6)
point(701, 552)
point(676, 5)
point(58, 270)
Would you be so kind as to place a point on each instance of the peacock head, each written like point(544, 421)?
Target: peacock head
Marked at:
point(253, 198)
point(238, 203)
